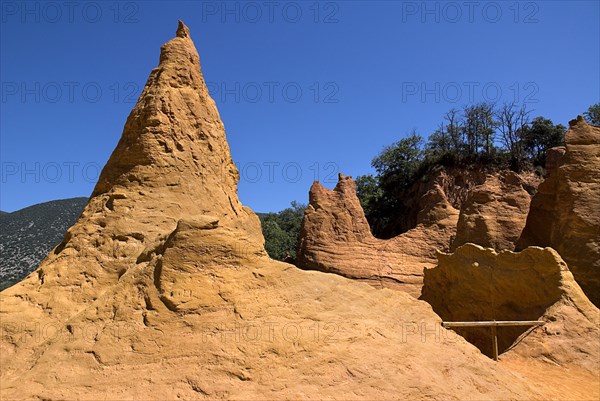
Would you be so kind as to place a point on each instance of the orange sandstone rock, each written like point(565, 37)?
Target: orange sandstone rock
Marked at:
point(565, 213)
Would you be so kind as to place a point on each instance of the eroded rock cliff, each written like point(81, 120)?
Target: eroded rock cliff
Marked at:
point(565, 213)
point(494, 213)
point(455, 207)
point(335, 238)
point(479, 284)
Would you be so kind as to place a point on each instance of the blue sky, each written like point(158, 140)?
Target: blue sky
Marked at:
point(305, 89)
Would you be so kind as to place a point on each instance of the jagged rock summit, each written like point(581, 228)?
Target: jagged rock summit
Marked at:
point(163, 290)
point(174, 143)
point(336, 238)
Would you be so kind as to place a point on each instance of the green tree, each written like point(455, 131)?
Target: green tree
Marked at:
point(512, 124)
point(540, 136)
point(478, 127)
point(290, 219)
point(439, 144)
point(454, 130)
point(446, 146)
point(369, 193)
point(592, 115)
point(397, 164)
point(281, 231)
point(276, 239)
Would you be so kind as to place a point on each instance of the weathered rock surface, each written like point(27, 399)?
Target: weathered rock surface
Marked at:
point(475, 284)
point(172, 162)
point(256, 332)
point(162, 289)
point(415, 201)
point(565, 213)
point(494, 212)
point(457, 185)
point(335, 238)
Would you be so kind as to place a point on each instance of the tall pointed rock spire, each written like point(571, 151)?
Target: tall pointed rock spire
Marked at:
point(182, 30)
point(174, 144)
point(171, 165)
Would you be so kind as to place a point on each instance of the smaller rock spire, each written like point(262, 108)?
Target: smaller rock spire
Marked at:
point(182, 30)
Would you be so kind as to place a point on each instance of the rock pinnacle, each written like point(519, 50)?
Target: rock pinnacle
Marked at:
point(182, 30)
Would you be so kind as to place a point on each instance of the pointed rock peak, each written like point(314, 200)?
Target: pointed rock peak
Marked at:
point(315, 193)
point(345, 184)
point(174, 149)
point(182, 30)
point(180, 50)
point(576, 121)
point(582, 133)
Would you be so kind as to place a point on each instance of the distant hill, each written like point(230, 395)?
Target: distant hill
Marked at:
point(28, 235)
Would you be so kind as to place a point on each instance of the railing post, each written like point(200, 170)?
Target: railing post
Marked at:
point(494, 342)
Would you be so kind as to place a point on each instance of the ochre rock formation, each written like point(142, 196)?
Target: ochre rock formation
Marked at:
point(163, 290)
point(476, 284)
point(335, 238)
point(494, 212)
point(457, 184)
point(172, 162)
point(416, 201)
point(565, 213)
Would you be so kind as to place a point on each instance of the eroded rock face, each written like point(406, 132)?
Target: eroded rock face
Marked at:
point(172, 162)
point(457, 185)
point(454, 183)
point(476, 284)
point(565, 213)
point(494, 212)
point(335, 238)
point(163, 290)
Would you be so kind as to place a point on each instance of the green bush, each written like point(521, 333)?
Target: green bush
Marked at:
point(281, 231)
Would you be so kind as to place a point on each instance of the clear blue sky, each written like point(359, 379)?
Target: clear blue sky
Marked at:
point(368, 73)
